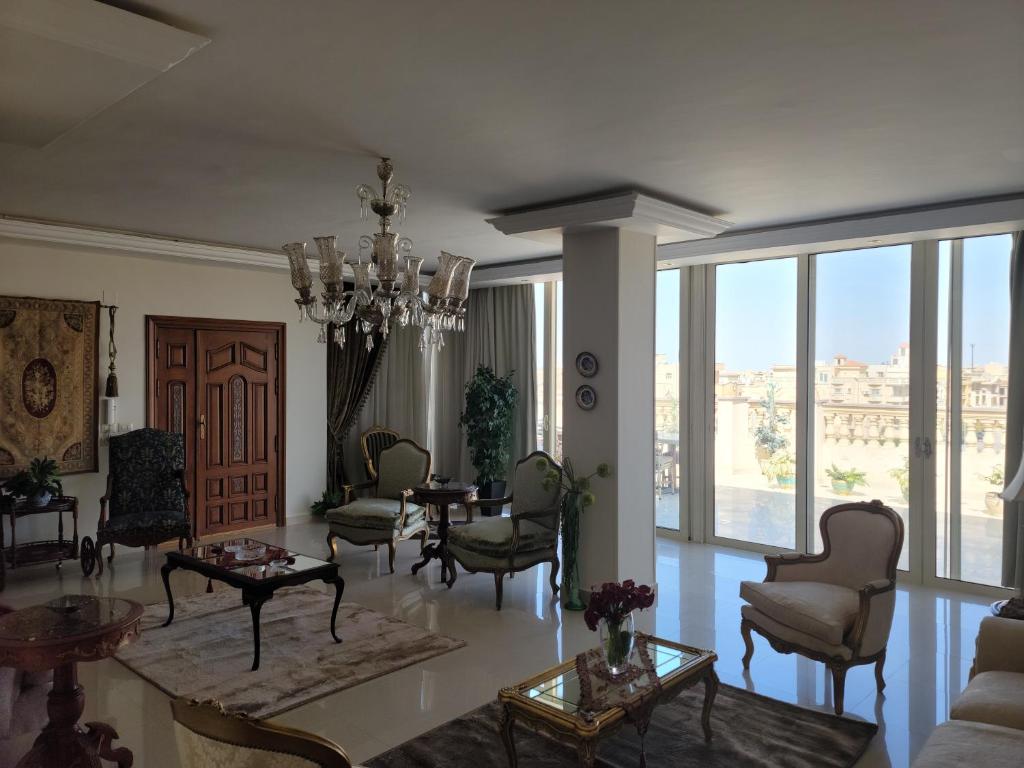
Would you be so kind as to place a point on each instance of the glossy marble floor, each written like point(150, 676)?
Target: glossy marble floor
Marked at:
point(928, 661)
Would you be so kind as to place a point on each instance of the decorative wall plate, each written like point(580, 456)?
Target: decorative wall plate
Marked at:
point(586, 397)
point(586, 364)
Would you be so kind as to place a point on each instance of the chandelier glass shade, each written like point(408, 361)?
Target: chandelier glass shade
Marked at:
point(397, 295)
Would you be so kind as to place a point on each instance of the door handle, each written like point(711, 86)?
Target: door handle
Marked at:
point(923, 447)
point(202, 427)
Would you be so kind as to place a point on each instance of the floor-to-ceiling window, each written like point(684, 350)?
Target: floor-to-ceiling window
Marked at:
point(548, 317)
point(755, 396)
point(540, 351)
point(667, 372)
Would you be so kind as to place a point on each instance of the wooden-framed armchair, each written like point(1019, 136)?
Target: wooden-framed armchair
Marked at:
point(528, 537)
point(388, 516)
point(146, 502)
point(372, 442)
point(207, 735)
point(835, 607)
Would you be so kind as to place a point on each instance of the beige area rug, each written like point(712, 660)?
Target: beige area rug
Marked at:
point(206, 652)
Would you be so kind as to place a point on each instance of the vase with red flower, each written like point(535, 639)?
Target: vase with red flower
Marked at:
point(610, 610)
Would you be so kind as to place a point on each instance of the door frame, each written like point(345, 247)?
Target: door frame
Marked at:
point(217, 324)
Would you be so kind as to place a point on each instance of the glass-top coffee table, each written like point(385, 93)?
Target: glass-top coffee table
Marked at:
point(579, 712)
point(258, 570)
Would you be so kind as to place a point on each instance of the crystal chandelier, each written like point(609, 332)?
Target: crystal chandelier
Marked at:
point(397, 296)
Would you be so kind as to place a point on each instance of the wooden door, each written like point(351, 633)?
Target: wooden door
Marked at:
point(221, 383)
point(236, 486)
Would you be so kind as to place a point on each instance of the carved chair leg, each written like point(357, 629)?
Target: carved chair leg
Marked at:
point(555, 565)
point(879, 679)
point(111, 556)
point(498, 579)
point(748, 642)
point(838, 686)
point(331, 546)
point(391, 555)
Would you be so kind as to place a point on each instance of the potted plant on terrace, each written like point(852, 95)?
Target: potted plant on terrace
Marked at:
point(993, 501)
point(768, 439)
point(490, 405)
point(39, 483)
point(902, 477)
point(782, 467)
point(844, 481)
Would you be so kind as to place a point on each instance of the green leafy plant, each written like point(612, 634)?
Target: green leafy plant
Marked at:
point(902, 477)
point(330, 500)
point(850, 478)
point(41, 477)
point(490, 405)
point(782, 464)
point(996, 476)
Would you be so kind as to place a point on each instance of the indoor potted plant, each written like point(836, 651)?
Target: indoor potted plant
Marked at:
point(490, 405)
point(330, 500)
point(39, 483)
point(611, 608)
point(576, 497)
point(993, 501)
point(782, 467)
point(844, 481)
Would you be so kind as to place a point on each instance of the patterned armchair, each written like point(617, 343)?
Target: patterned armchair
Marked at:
point(835, 607)
point(209, 737)
point(146, 502)
point(528, 537)
point(387, 517)
point(373, 441)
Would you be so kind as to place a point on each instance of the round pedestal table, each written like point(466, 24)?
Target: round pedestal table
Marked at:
point(57, 635)
point(442, 495)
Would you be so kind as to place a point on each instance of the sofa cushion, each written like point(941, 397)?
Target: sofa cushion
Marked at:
point(492, 536)
point(824, 611)
point(960, 743)
point(992, 697)
point(378, 514)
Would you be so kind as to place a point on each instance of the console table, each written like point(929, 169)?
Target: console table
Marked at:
point(46, 551)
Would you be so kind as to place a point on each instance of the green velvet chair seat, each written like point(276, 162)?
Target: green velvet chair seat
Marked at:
point(492, 536)
point(476, 561)
point(377, 514)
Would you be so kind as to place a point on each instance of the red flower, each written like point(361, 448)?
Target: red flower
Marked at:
point(614, 601)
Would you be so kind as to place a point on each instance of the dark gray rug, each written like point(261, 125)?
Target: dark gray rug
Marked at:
point(749, 731)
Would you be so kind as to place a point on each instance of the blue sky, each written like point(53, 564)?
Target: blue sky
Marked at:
point(863, 306)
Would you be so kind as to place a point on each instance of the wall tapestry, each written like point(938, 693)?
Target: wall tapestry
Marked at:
point(48, 383)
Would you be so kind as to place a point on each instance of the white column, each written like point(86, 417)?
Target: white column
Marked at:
point(609, 293)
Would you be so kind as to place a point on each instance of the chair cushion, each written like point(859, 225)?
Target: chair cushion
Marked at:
point(379, 514)
point(992, 697)
point(792, 636)
point(958, 743)
point(169, 523)
point(492, 536)
point(824, 611)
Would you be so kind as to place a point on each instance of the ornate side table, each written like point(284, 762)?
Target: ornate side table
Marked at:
point(31, 552)
point(442, 495)
point(57, 635)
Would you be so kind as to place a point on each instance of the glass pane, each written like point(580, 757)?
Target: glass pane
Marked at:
point(666, 400)
point(558, 372)
point(970, 528)
point(755, 401)
point(540, 350)
point(862, 380)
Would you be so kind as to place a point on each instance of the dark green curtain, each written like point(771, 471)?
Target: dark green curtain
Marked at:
point(350, 373)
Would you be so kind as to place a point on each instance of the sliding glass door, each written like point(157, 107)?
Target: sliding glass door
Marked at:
point(667, 395)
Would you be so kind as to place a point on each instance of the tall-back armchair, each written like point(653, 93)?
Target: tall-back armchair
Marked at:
point(835, 607)
point(372, 442)
point(388, 516)
point(146, 502)
point(208, 736)
point(528, 537)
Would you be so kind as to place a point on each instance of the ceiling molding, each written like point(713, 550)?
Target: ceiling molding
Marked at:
point(630, 210)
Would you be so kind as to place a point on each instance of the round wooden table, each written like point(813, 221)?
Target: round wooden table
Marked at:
point(57, 635)
point(442, 496)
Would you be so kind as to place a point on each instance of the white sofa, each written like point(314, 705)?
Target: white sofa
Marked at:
point(986, 725)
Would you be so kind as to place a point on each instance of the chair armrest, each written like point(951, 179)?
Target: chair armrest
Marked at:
point(794, 566)
point(536, 515)
point(489, 502)
point(870, 632)
point(539, 514)
point(350, 489)
point(998, 647)
point(407, 494)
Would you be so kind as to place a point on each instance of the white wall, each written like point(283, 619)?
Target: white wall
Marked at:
point(152, 286)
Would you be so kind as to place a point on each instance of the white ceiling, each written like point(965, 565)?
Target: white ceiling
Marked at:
point(760, 112)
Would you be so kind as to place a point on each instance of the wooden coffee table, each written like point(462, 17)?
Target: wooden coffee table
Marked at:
point(57, 635)
point(551, 703)
point(257, 579)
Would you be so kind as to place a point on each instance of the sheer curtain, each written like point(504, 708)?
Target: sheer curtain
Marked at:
point(1013, 511)
point(499, 333)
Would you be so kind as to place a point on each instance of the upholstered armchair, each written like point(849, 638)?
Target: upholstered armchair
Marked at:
point(372, 442)
point(22, 710)
point(528, 537)
point(388, 516)
point(146, 502)
point(835, 607)
point(209, 737)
